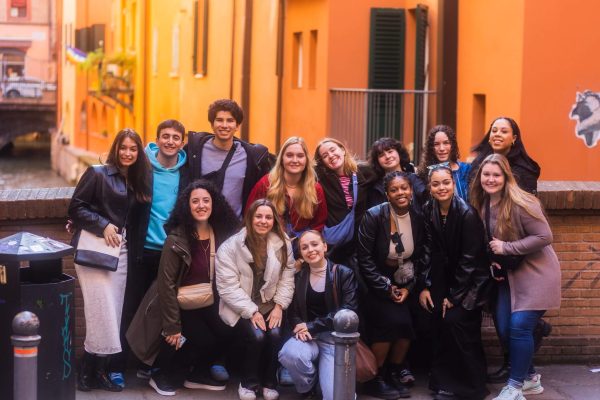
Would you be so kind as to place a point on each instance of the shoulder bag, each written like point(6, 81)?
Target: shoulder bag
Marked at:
point(92, 251)
point(343, 232)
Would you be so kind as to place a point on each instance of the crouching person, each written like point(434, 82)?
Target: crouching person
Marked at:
point(255, 279)
point(322, 288)
point(201, 220)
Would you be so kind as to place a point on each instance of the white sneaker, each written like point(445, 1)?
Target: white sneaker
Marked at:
point(510, 393)
point(246, 394)
point(270, 394)
point(533, 385)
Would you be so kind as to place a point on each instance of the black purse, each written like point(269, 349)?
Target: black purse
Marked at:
point(508, 262)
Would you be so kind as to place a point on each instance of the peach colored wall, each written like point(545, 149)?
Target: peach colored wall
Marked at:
point(558, 63)
point(490, 60)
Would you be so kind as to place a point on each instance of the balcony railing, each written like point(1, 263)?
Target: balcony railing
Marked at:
point(361, 116)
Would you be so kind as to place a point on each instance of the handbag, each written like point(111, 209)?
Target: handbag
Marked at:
point(200, 295)
point(366, 364)
point(92, 251)
point(144, 332)
point(343, 232)
point(508, 262)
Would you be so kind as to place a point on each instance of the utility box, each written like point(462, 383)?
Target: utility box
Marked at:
point(31, 279)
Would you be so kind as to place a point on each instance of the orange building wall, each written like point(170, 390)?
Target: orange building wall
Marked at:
point(490, 59)
point(560, 59)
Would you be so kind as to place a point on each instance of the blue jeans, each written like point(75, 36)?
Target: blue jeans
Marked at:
point(299, 358)
point(516, 334)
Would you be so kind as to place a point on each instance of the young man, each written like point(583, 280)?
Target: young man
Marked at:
point(231, 164)
point(169, 177)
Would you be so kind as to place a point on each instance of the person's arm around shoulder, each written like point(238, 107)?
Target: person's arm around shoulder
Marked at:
point(285, 285)
point(81, 208)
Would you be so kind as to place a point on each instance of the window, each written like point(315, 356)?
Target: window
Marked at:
point(312, 66)
point(18, 9)
point(297, 64)
point(175, 51)
point(200, 37)
point(154, 51)
point(478, 121)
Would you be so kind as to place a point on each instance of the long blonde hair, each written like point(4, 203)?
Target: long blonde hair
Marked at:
point(305, 200)
point(350, 165)
point(512, 195)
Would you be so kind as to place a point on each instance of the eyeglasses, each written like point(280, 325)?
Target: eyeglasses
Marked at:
point(435, 167)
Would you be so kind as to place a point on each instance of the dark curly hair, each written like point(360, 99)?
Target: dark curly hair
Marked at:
point(223, 219)
point(428, 154)
point(390, 176)
point(225, 105)
point(384, 144)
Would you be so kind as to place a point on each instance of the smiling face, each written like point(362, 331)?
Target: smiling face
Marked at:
point(442, 147)
point(502, 136)
point(492, 179)
point(224, 126)
point(200, 205)
point(399, 194)
point(312, 248)
point(389, 160)
point(263, 220)
point(333, 157)
point(169, 142)
point(128, 153)
point(294, 159)
point(441, 185)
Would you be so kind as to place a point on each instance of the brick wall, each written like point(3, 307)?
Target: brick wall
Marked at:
point(573, 209)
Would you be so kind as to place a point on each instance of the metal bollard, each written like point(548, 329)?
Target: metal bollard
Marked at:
point(25, 341)
point(345, 337)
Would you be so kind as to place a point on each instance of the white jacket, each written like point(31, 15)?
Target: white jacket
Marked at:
point(235, 277)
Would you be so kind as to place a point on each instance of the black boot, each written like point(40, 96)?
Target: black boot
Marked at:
point(86, 379)
point(378, 387)
point(394, 379)
point(102, 378)
point(501, 375)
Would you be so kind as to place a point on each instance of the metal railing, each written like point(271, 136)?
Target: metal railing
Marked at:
point(27, 89)
point(361, 116)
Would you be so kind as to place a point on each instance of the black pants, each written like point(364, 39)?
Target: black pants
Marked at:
point(207, 337)
point(139, 278)
point(458, 362)
point(259, 366)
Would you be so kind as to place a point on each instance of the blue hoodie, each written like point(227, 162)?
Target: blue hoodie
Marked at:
point(164, 194)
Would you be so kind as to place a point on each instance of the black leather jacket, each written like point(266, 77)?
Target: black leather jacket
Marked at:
point(458, 269)
point(347, 295)
point(374, 247)
point(101, 197)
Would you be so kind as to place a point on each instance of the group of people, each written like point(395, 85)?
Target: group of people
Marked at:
point(257, 253)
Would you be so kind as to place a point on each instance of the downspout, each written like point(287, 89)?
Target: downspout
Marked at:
point(232, 49)
point(279, 71)
point(246, 63)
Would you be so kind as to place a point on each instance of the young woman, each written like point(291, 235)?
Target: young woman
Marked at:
point(454, 290)
point(518, 227)
point(391, 247)
point(201, 220)
point(388, 155)
point(441, 146)
point(101, 204)
point(255, 279)
point(337, 170)
point(504, 137)
point(292, 188)
point(322, 288)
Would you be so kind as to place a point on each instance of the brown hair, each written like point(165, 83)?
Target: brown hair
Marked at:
point(253, 240)
point(350, 166)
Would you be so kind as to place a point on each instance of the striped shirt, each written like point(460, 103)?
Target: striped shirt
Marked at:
point(345, 182)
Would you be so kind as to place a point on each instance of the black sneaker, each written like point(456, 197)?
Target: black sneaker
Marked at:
point(202, 380)
point(378, 387)
point(161, 384)
point(395, 380)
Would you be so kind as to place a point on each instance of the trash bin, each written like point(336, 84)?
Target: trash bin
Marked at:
point(31, 279)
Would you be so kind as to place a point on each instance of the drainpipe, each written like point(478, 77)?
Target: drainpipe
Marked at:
point(246, 63)
point(279, 71)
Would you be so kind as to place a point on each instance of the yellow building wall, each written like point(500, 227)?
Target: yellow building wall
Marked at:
point(490, 59)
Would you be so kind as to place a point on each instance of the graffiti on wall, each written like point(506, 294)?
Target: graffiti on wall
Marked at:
point(586, 111)
point(65, 333)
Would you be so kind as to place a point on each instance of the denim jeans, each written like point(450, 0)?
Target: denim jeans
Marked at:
point(516, 333)
point(299, 358)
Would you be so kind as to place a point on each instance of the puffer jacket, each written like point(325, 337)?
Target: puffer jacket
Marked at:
point(235, 277)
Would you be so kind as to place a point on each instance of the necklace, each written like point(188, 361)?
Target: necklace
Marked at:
point(204, 249)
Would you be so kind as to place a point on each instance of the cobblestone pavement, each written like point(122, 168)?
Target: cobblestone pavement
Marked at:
point(561, 382)
point(27, 166)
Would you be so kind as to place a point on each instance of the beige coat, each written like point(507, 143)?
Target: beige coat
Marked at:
point(234, 277)
point(536, 284)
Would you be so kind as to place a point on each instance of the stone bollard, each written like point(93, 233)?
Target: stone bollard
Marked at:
point(25, 341)
point(345, 336)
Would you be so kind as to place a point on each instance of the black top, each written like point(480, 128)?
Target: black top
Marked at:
point(315, 303)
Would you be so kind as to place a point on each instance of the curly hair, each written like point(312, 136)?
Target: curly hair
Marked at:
point(222, 219)
point(384, 144)
point(428, 154)
point(304, 202)
point(225, 105)
point(390, 176)
point(138, 174)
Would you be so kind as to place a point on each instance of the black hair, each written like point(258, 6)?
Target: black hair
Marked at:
point(225, 105)
point(384, 144)
point(390, 176)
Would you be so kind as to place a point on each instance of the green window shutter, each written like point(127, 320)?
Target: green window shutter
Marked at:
point(386, 48)
point(421, 34)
